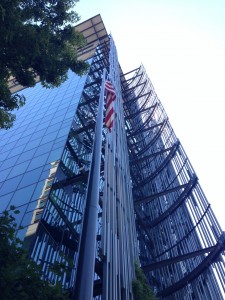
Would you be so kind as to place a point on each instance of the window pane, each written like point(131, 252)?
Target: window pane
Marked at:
point(26, 155)
point(4, 174)
point(38, 161)
point(10, 185)
point(4, 201)
point(31, 177)
point(22, 196)
point(44, 149)
point(18, 169)
point(48, 138)
point(9, 162)
point(55, 155)
point(33, 144)
point(16, 151)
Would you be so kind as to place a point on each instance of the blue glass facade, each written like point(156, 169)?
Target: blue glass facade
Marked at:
point(31, 148)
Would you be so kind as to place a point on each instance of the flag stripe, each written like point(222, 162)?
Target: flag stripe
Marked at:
point(109, 87)
point(109, 111)
point(110, 97)
point(110, 122)
point(109, 101)
point(109, 116)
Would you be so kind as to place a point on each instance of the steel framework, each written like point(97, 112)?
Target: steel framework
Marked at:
point(150, 208)
point(63, 204)
point(180, 241)
point(61, 232)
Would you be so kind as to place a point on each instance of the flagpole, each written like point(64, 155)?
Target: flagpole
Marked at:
point(87, 253)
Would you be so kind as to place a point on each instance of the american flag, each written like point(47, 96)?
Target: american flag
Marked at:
point(110, 97)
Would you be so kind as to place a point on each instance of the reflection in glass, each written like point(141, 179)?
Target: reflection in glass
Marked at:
point(30, 177)
point(36, 214)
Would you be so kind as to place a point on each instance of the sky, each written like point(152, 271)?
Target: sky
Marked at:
point(182, 46)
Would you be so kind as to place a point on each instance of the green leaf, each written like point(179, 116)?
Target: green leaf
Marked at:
point(20, 278)
point(140, 286)
point(37, 40)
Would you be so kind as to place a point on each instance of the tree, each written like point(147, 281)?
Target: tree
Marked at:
point(20, 278)
point(37, 40)
point(141, 289)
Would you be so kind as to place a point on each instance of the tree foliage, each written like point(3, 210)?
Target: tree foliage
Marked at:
point(20, 278)
point(141, 289)
point(37, 39)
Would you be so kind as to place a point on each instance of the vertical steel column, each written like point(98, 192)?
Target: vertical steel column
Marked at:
point(85, 271)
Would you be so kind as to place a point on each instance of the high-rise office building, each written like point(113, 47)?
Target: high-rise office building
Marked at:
point(105, 199)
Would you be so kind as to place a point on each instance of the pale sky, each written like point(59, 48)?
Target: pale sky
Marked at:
point(182, 46)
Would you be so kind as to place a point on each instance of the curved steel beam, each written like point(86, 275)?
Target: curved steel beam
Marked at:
point(175, 205)
point(163, 164)
point(204, 265)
